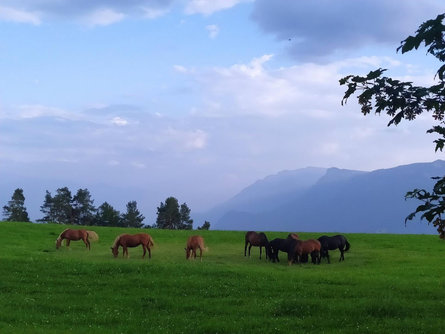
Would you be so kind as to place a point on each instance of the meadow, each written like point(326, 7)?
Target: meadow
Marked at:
point(387, 284)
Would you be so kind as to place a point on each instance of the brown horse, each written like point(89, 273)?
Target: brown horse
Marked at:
point(305, 247)
point(253, 238)
point(193, 243)
point(293, 236)
point(70, 234)
point(132, 240)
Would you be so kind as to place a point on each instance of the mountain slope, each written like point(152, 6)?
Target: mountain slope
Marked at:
point(347, 201)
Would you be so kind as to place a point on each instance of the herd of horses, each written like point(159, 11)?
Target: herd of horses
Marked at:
point(126, 240)
point(297, 250)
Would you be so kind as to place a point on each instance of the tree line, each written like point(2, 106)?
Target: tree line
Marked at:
point(64, 208)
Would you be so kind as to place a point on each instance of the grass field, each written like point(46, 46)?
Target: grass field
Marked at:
point(387, 284)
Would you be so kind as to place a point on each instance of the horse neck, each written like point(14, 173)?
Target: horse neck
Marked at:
point(116, 241)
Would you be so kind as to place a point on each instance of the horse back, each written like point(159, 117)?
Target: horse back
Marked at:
point(195, 241)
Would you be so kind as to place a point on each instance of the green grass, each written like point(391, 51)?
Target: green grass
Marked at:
point(387, 284)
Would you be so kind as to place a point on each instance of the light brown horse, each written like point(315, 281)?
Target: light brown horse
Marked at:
point(305, 247)
point(193, 243)
point(132, 240)
point(70, 234)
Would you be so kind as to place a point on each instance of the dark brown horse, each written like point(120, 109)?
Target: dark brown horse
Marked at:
point(193, 243)
point(311, 246)
point(70, 234)
point(132, 240)
point(256, 239)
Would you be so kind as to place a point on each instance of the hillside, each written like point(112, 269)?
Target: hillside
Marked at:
point(339, 200)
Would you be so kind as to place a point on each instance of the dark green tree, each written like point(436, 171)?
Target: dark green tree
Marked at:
point(16, 210)
point(106, 215)
point(83, 208)
point(205, 226)
point(47, 209)
point(403, 100)
point(58, 209)
point(172, 216)
point(132, 218)
point(168, 214)
point(186, 222)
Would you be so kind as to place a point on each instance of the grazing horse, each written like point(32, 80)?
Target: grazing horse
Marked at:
point(293, 236)
point(132, 240)
point(256, 239)
point(285, 245)
point(330, 243)
point(193, 243)
point(303, 248)
point(70, 234)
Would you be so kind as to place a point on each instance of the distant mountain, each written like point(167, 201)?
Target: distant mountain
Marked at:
point(330, 200)
point(267, 194)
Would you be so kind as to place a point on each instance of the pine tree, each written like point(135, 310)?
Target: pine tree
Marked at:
point(106, 215)
point(168, 214)
point(83, 208)
point(186, 222)
point(132, 218)
point(16, 210)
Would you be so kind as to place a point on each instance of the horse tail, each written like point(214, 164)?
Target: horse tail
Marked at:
point(93, 236)
point(150, 241)
point(348, 245)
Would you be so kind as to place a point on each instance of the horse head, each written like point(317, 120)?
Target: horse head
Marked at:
point(115, 251)
point(58, 242)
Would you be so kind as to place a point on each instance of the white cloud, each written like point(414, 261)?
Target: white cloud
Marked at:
point(103, 17)
point(119, 121)
point(18, 15)
point(208, 7)
point(213, 30)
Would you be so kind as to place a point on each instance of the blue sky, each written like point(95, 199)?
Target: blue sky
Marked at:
point(196, 99)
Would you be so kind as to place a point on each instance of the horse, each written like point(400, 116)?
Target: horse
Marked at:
point(132, 240)
point(256, 239)
point(303, 248)
point(330, 243)
point(70, 234)
point(293, 236)
point(193, 243)
point(285, 245)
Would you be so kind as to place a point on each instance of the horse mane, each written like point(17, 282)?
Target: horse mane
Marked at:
point(117, 240)
point(93, 236)
point(60, 235)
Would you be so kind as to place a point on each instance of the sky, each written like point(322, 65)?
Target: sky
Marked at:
point(197, 99)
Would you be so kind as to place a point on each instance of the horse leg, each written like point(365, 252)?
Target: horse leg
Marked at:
point(125, 251)
point(145, 251)
point(260, 251)
point(67, 242)
point(87, 243)
point(250, 246)
point(200, 254)
point(149, 252)
point(342, 256)
point(245, 247)
point(327, 256)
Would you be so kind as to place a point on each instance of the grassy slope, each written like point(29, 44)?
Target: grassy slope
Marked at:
point(388, 283)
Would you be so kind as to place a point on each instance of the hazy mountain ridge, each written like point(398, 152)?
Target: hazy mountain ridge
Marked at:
point(341, 200)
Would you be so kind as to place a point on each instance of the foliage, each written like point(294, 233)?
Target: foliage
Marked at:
point(16, 210)
point(106, 215)
point(171, 216)
point(133, 217)
point(83, 208)
point(58, 209)
point(205, 226)
point(403, 100)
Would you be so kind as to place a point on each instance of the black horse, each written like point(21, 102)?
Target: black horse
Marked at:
point(331, 243)
point(256, 239)
point(285, 245)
